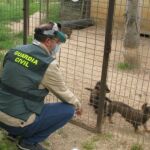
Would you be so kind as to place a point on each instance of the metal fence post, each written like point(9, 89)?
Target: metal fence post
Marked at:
point(86, 9)
point(47, 10)
point(25, 20)
point(107, 49)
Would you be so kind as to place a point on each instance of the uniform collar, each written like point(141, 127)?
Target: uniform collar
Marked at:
point(35, 42)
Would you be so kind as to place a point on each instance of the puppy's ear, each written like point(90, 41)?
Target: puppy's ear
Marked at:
point(89, 89)
point(144, 106)
point(98, 84)
point(107, 89)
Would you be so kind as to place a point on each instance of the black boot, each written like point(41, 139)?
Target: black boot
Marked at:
point(24, 146)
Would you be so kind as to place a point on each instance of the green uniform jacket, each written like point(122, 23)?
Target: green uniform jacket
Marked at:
point(24, 68)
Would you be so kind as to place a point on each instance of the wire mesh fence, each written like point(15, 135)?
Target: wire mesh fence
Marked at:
point(81, 57)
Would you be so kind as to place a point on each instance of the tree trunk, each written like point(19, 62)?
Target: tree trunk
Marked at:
point(132, 33)
point(78, 24)
point(68, 26)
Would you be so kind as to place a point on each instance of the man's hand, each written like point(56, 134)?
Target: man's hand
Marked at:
point(78, 107)
point(79, 112)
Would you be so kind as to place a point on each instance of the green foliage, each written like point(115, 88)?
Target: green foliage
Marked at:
point(106, 136)
point(5, 144)
point(12, 10)
point(136, 147)
point(6, 44)
point(34, 6)
point(9, 11)
point(5, 37)
point(54, 11)
point(19, 35)
point(46, 143)
point(2, 54)
point(8, 39)
point(125, 66)
point(89, 145)
point(30, 39)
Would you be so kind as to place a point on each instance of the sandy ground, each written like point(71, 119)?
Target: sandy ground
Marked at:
point(73, 136)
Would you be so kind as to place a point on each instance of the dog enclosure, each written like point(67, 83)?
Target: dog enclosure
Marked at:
point(94, 51)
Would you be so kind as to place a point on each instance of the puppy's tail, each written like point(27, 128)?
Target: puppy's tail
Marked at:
point(108, 100)
point(89, 89)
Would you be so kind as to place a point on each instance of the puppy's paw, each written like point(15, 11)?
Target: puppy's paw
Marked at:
point(111, 122)
point(138, 132)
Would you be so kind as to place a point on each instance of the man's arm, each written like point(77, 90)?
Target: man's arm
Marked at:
point(53, 81)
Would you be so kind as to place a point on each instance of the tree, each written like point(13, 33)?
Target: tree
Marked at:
point(132, 36)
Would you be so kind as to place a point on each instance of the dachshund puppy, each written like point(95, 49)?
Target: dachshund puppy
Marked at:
point(94, 97)
point(131, 115)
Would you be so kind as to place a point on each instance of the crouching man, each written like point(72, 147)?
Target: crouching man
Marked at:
point(29, 73)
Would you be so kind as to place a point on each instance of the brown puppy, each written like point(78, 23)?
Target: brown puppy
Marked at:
point(94, 97)
point(133, 116)
point(146, 111)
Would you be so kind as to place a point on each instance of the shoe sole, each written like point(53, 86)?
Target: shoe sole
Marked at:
point(22, 148)
point(11, 139)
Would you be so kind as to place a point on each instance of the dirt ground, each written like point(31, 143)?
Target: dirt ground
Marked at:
point(72, 136)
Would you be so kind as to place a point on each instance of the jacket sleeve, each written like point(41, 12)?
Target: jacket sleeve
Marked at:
point(53, 81)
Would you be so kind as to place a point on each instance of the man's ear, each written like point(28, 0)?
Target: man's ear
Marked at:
point(48, 40)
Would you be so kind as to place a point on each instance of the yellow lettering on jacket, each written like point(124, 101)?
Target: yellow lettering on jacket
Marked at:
point(22, 62)
point(26, 57)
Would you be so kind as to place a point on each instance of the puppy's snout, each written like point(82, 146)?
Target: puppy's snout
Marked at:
point(107, 89)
